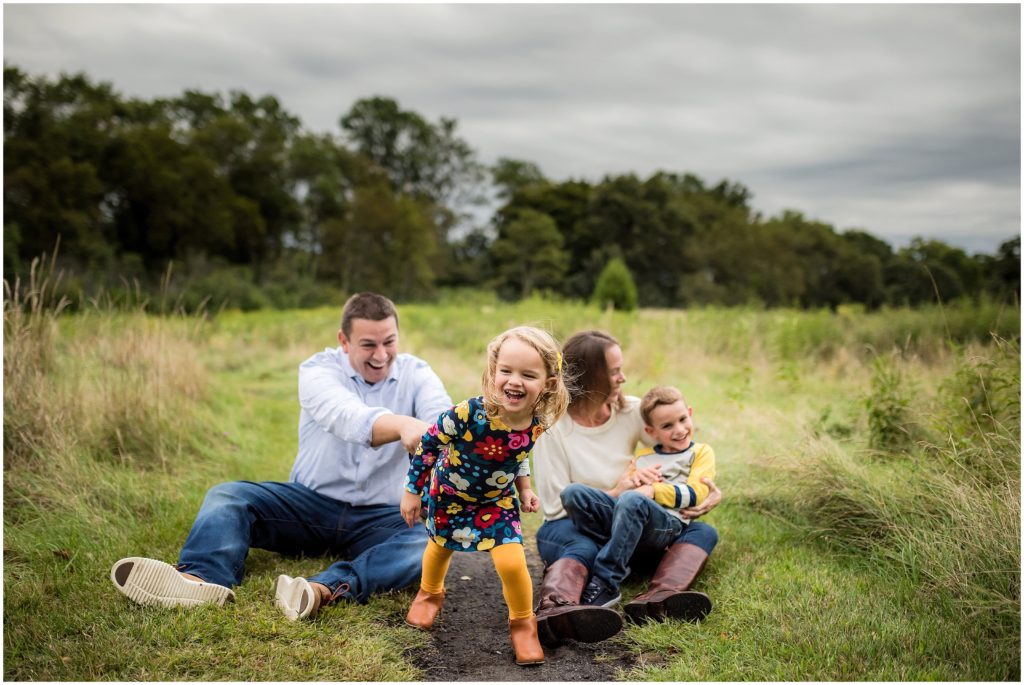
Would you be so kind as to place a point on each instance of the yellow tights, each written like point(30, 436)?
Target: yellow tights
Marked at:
point(510, 563)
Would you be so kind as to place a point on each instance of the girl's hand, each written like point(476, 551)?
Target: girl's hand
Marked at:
point(410, 508)
point(529, 500)
point(709, 503)
point(646, 491)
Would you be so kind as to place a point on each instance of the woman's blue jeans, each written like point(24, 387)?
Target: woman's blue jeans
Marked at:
point(605, 533)
point(383, 552)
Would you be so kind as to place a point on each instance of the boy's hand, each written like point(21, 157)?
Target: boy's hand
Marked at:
point(633, 478)
point(646, 491)
point(529, 500)
point(410, 508)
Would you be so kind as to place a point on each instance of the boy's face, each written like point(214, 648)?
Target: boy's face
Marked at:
point(672, 426)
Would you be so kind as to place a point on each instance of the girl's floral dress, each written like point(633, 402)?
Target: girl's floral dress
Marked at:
point(468, 464)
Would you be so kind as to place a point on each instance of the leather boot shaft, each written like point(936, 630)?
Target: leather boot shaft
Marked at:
point(559, 614)
point(678, 569)
point(562, 584)
point(525, 643)
point(668, 595)
point(424, 609)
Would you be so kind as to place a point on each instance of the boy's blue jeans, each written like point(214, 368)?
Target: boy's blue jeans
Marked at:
point(604, 533)
point(384, 553)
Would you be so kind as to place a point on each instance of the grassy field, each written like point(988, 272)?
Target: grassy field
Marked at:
point(870, 464)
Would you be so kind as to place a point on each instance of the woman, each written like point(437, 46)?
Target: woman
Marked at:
point(593, 444)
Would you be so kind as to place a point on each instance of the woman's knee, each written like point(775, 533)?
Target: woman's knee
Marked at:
point(574, 495)
point(560, 539)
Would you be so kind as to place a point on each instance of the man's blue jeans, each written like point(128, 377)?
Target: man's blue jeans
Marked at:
point(604, 533)
point(384, 553)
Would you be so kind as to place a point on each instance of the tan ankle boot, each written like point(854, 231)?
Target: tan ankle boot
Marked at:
point(524, 641)
point(424, 609)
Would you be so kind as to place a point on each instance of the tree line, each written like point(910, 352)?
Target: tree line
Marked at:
point(242, 199)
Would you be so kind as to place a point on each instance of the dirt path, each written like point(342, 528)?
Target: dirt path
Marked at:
point(470, 641)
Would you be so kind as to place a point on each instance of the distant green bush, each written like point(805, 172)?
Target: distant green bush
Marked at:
point(615, 287)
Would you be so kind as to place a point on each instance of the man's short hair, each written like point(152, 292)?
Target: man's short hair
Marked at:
point(657, 396)
point(366, 306)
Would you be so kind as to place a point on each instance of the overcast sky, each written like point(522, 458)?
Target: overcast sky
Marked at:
point(902, 120)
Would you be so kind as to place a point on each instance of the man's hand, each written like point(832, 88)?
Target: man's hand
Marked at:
point(412, 432)
point(709, 503)
point(529, 500)
point(410, 508)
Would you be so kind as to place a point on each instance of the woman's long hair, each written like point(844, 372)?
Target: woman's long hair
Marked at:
point(586, 364)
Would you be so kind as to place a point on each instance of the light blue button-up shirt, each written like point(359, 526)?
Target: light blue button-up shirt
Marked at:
point(336, 425)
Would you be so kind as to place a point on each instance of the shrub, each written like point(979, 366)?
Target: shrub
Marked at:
point(888, 407)
point(615, 287)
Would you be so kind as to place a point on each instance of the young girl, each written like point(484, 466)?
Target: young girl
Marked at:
point(468, 462)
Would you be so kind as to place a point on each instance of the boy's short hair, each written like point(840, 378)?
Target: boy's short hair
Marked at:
point(369, 306)
point(657, 396)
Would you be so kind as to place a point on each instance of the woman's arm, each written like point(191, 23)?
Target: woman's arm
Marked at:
point(709, 503)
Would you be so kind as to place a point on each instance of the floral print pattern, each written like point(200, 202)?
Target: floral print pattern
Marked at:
point(467, 463)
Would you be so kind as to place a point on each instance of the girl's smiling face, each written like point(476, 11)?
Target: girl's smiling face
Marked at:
point(519, 379)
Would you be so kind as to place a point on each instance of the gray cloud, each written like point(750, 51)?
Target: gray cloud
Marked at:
point(899, 119)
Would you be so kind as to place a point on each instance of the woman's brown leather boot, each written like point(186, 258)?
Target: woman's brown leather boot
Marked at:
point(559, 614)
point(524, 641)
point(669, 594)
point(424, 610)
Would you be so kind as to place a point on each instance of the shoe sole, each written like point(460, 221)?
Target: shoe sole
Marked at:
point(294, 597)
point(155, 583)
point(587, 624)
point(687, 606)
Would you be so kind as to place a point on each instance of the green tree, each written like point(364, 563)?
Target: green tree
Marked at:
point(615, 287)
point(55, 135)
point(513, 175)
point(385, 244)
point(566, 204)
point(528, 254)
point(428, 161)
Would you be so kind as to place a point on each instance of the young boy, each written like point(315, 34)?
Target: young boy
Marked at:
point(647, 519)
point(669, 421)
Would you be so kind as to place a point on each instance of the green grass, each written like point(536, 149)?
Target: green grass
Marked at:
point(783, 396)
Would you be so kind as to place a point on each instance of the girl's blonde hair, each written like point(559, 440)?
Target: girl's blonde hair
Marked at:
point(554, 399)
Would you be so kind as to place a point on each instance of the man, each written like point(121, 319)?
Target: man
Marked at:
point(364, 406)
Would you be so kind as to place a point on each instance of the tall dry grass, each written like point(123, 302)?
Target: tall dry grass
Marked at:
point(943, 508)
point(103, 385)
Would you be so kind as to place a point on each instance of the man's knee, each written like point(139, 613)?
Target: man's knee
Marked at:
point(235, 497)
point(225, 494)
